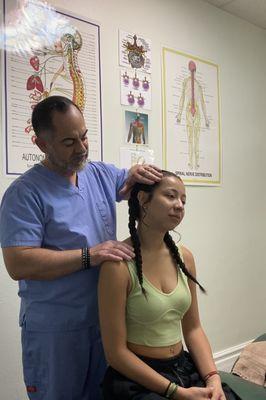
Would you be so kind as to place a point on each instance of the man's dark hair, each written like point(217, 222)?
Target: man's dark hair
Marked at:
point(42, 115)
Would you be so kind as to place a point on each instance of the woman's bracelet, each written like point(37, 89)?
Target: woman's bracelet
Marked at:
point(206, 377)
point(166, 390)
point(171, 389)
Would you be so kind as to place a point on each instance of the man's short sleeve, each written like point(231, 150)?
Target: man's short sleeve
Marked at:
point(21, 218)
point(119, 177)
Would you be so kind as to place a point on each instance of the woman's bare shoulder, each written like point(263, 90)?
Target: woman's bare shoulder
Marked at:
point(188, 259)
point(114, 269)
point(128, 241)
point(186, 252)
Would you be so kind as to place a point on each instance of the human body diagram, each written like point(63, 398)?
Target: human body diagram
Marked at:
point(58, 73)
point(136, 131)
point(192, 98)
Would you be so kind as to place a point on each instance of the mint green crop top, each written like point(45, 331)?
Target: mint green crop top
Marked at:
point(155, 321)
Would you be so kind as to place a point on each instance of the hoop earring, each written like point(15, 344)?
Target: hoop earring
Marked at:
point(179, 237)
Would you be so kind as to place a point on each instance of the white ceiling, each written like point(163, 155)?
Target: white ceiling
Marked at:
point(253, 11)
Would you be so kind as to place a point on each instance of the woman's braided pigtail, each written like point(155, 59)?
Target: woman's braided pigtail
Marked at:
point(176, 256)
point(133, 212)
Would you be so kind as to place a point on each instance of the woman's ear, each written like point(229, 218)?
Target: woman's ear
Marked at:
point(142, 198)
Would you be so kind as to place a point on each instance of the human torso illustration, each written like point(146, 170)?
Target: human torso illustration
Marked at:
point(136, 131)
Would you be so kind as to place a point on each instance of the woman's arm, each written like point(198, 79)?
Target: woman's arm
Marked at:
point(194, 335)
point(114, 285)
point(112, 292)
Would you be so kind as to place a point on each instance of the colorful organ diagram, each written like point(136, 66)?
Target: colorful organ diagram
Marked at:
point(136, 131)
point(56, 71)
point(192, 99)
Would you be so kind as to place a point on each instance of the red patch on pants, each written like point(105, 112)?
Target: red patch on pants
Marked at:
point(31, 389)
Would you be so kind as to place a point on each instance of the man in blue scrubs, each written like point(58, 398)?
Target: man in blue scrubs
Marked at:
point(57, 225)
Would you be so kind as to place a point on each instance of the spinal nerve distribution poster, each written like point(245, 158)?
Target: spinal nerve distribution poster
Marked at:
point(191, 119)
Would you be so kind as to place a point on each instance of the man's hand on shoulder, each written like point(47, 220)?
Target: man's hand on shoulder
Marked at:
point(110, 251)
point(141, 173)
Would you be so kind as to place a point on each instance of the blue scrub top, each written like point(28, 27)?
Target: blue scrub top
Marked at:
point(43, 209)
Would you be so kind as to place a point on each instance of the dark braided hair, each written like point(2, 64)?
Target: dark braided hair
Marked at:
point(134, 211)
point(135, 239)
point(179, 262)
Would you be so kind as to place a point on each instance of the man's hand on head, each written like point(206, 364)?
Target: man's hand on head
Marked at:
point(141, 173)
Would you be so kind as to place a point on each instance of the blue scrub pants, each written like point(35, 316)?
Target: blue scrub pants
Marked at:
point(67, 365)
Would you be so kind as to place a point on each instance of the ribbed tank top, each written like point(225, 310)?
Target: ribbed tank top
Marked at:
point(156, 320)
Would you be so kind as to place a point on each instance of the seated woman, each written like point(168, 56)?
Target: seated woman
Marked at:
point(144, 302)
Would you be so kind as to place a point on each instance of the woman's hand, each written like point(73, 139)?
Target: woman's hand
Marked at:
point(215, 382)
point(193, 393)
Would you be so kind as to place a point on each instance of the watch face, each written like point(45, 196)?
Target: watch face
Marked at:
point(135, 59)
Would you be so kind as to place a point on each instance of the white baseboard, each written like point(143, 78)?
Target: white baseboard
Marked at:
point(225, 359)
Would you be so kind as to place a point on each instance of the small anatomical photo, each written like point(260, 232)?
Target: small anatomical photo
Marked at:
point(136, 128)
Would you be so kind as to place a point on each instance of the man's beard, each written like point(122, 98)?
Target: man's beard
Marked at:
point(67, 168)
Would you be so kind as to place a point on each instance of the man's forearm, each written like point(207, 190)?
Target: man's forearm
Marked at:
point(41, 264)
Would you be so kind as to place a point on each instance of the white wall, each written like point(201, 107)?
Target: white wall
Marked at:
point(224, 226)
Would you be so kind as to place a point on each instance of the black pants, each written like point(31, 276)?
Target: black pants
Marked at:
point(180, 369)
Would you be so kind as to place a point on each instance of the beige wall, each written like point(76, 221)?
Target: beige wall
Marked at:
point(224, 226)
